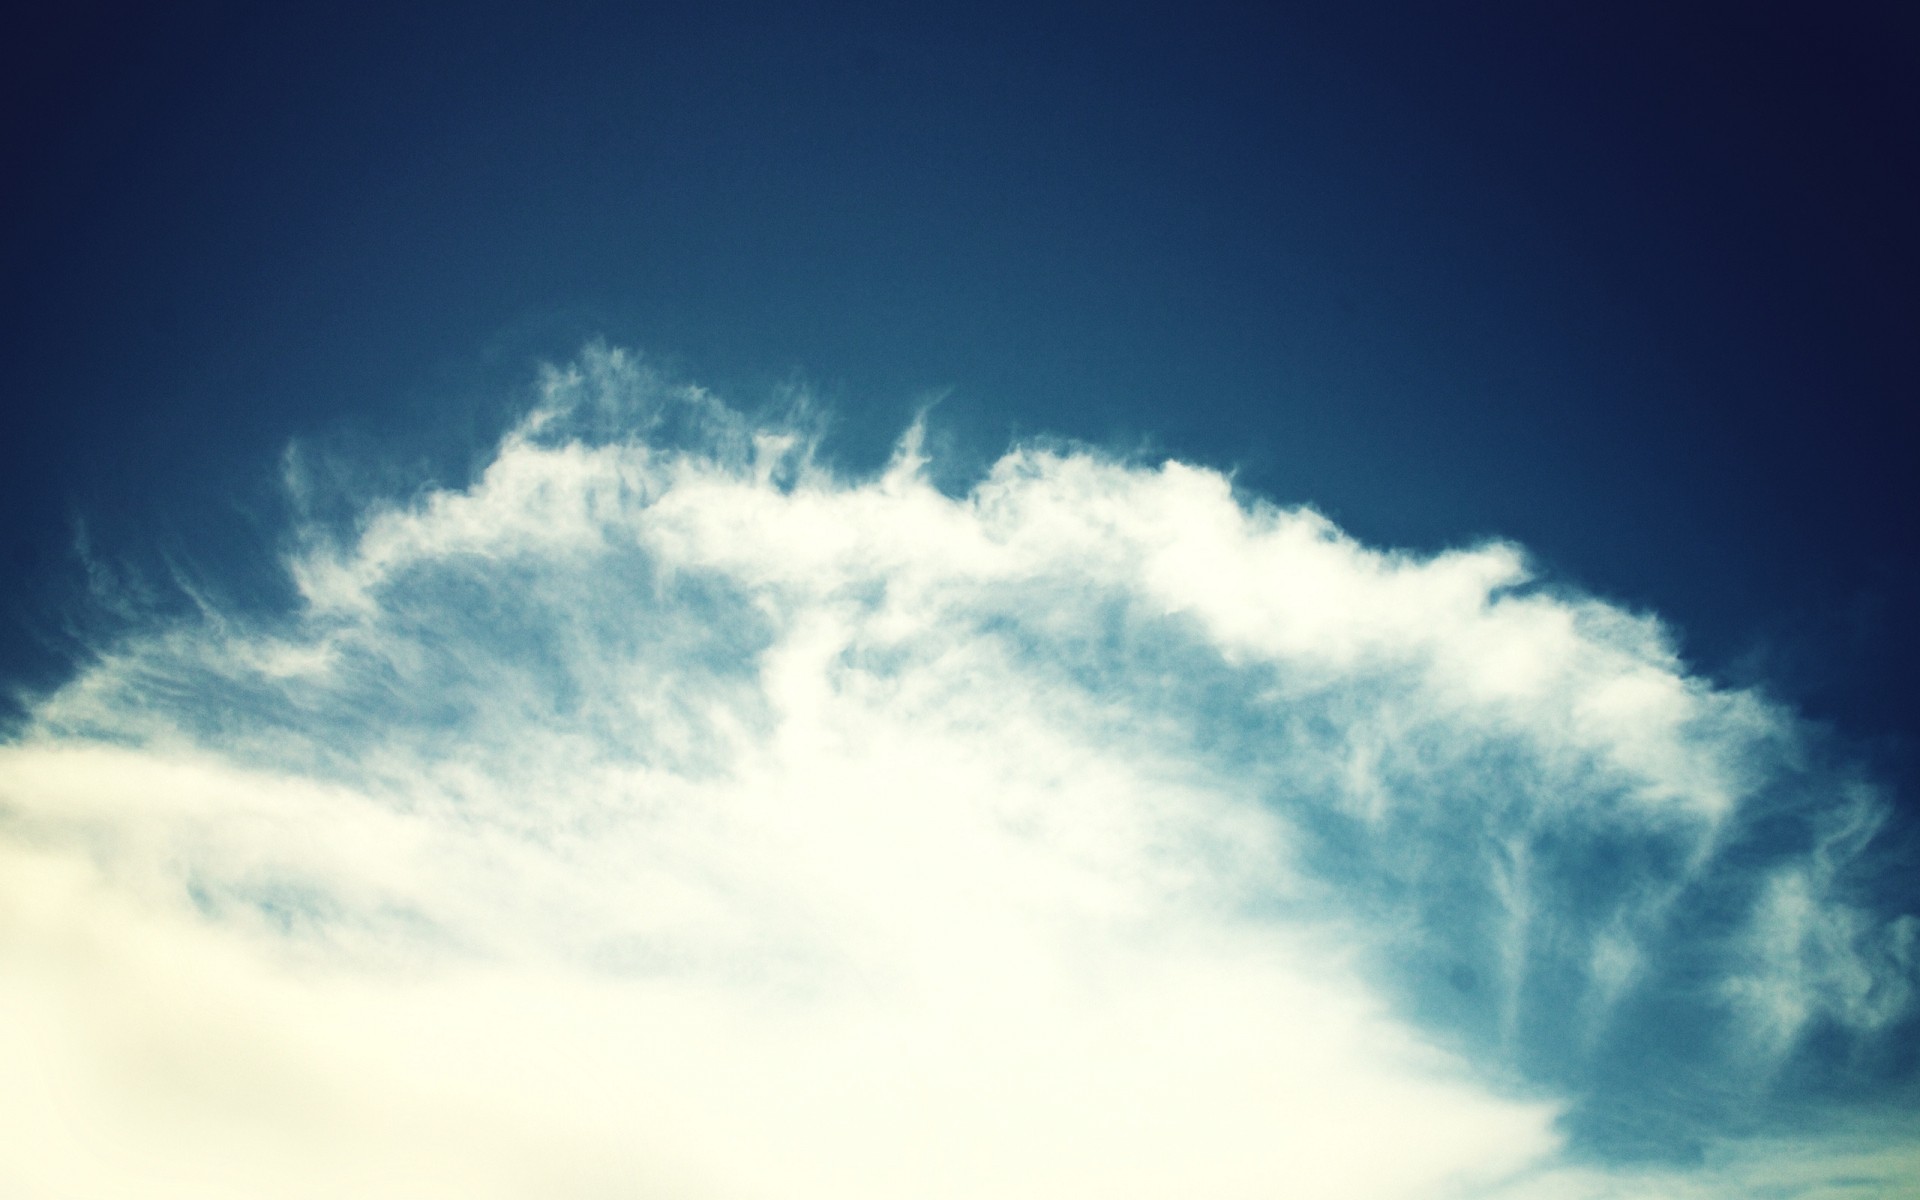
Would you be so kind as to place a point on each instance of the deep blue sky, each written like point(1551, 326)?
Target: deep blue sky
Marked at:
point(1635, 288)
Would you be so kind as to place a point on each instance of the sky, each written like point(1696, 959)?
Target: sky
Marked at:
point(727, 601)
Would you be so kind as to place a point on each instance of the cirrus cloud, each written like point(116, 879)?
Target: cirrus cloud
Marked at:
point(665, 813)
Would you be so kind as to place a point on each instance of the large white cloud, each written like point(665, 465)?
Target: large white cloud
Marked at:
point(664, 814)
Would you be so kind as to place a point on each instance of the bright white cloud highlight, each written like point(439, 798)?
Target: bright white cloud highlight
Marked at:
point(664, 814)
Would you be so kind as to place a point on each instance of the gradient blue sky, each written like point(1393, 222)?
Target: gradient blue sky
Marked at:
point(1630, 287)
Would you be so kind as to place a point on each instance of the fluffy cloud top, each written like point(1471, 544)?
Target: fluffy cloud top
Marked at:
point(665, 814)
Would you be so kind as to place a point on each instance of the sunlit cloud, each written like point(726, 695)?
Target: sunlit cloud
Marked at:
point(667, 813)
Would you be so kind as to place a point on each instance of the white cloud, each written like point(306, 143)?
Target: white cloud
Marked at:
point(666, 814)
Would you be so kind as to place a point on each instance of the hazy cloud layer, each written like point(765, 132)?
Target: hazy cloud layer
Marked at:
point(666, 815)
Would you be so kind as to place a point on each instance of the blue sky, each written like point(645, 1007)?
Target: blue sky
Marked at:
point(792, 525)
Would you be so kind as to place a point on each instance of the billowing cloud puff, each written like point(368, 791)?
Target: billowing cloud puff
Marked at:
point(665, 814)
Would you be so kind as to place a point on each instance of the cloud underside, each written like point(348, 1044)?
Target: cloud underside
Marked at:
point(665, 814)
